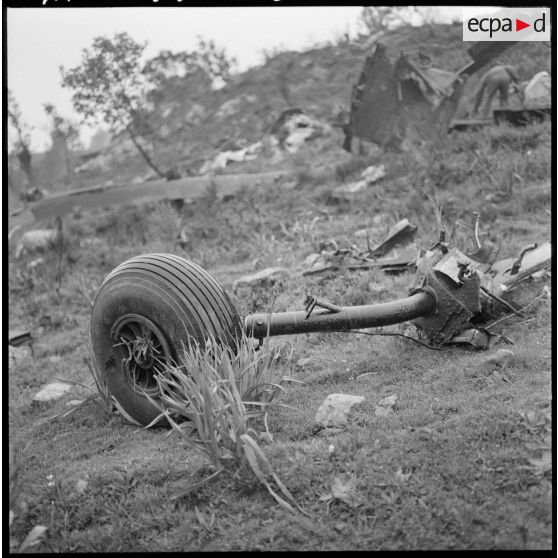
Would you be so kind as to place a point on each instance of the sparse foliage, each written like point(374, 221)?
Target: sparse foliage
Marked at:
point(379, 19)
point(109, 85)
point(212, 60)
point(22, 140)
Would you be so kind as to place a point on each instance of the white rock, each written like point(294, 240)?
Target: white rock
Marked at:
point(52, 391)
point(500, 357)
point(373, 173)
point(228, 108)
point(81, 486)
point(17, 355)
point(382, 411)
point(297, 138)
point(38, 239)
point(388, 401)
point(334, 411)
point(385, 406)
point(218, 83)
point(165, 131)
point(537, 92)
point(311, 259)
point(352, 187)
point(268, 274)
point(35, 263)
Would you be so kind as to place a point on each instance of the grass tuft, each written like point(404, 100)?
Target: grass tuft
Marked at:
point(214, 400)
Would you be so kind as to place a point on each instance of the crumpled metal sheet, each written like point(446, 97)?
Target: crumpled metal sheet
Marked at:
point(401, 234)
point(480, 338)
point(17, 337)
point(391, 98)
point(504, 277)
point(394, 103)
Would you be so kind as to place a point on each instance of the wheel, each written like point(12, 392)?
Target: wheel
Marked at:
point(144, 313)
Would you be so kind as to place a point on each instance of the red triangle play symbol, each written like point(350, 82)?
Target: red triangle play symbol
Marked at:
point(519, 25)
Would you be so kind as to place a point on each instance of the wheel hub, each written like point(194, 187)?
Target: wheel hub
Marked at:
point(144, 349)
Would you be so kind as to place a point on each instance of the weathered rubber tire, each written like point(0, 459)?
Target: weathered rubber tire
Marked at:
point(164, 299)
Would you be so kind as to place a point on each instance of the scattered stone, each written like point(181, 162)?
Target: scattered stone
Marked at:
point(543, 274)
point(373, 173)
point(166, 112)
point(538, 92)
point(346, 491)
point(269, 274)
point(35, 263)
point(165, 131)
point(351, 187)
point(38, 239)
point(385, 406)
point(17, 356)
point(334, 411)
point(293, 129)
point(228, 108)
point(52, 391)
point(225, 158)
point(81, 486)
point(368, 176)
point(388, 401)
point(311, 259)
point(501, 357)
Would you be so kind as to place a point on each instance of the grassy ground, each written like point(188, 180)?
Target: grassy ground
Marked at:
point(459, 465)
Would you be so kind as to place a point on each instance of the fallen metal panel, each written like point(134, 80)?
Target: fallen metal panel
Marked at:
point(409, 102)
point(521, 117)
point(469, 124)
point(374, 109)
point(400, 234)
point(58, 205)
point(18, 337)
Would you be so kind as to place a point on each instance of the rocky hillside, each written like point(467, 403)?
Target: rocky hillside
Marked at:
point(192, 124)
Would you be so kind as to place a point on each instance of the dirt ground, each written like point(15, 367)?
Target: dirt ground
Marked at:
point(463, 462)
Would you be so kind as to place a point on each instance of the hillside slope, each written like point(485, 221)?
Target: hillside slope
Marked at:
point(191, 122)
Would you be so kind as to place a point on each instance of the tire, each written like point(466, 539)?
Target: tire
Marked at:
point(149, 306)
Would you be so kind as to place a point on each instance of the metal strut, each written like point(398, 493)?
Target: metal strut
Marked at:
point(344, 318)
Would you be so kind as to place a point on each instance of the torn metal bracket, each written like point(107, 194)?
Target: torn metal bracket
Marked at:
point(311, 302)
point(457, 291)
point(517, 264)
